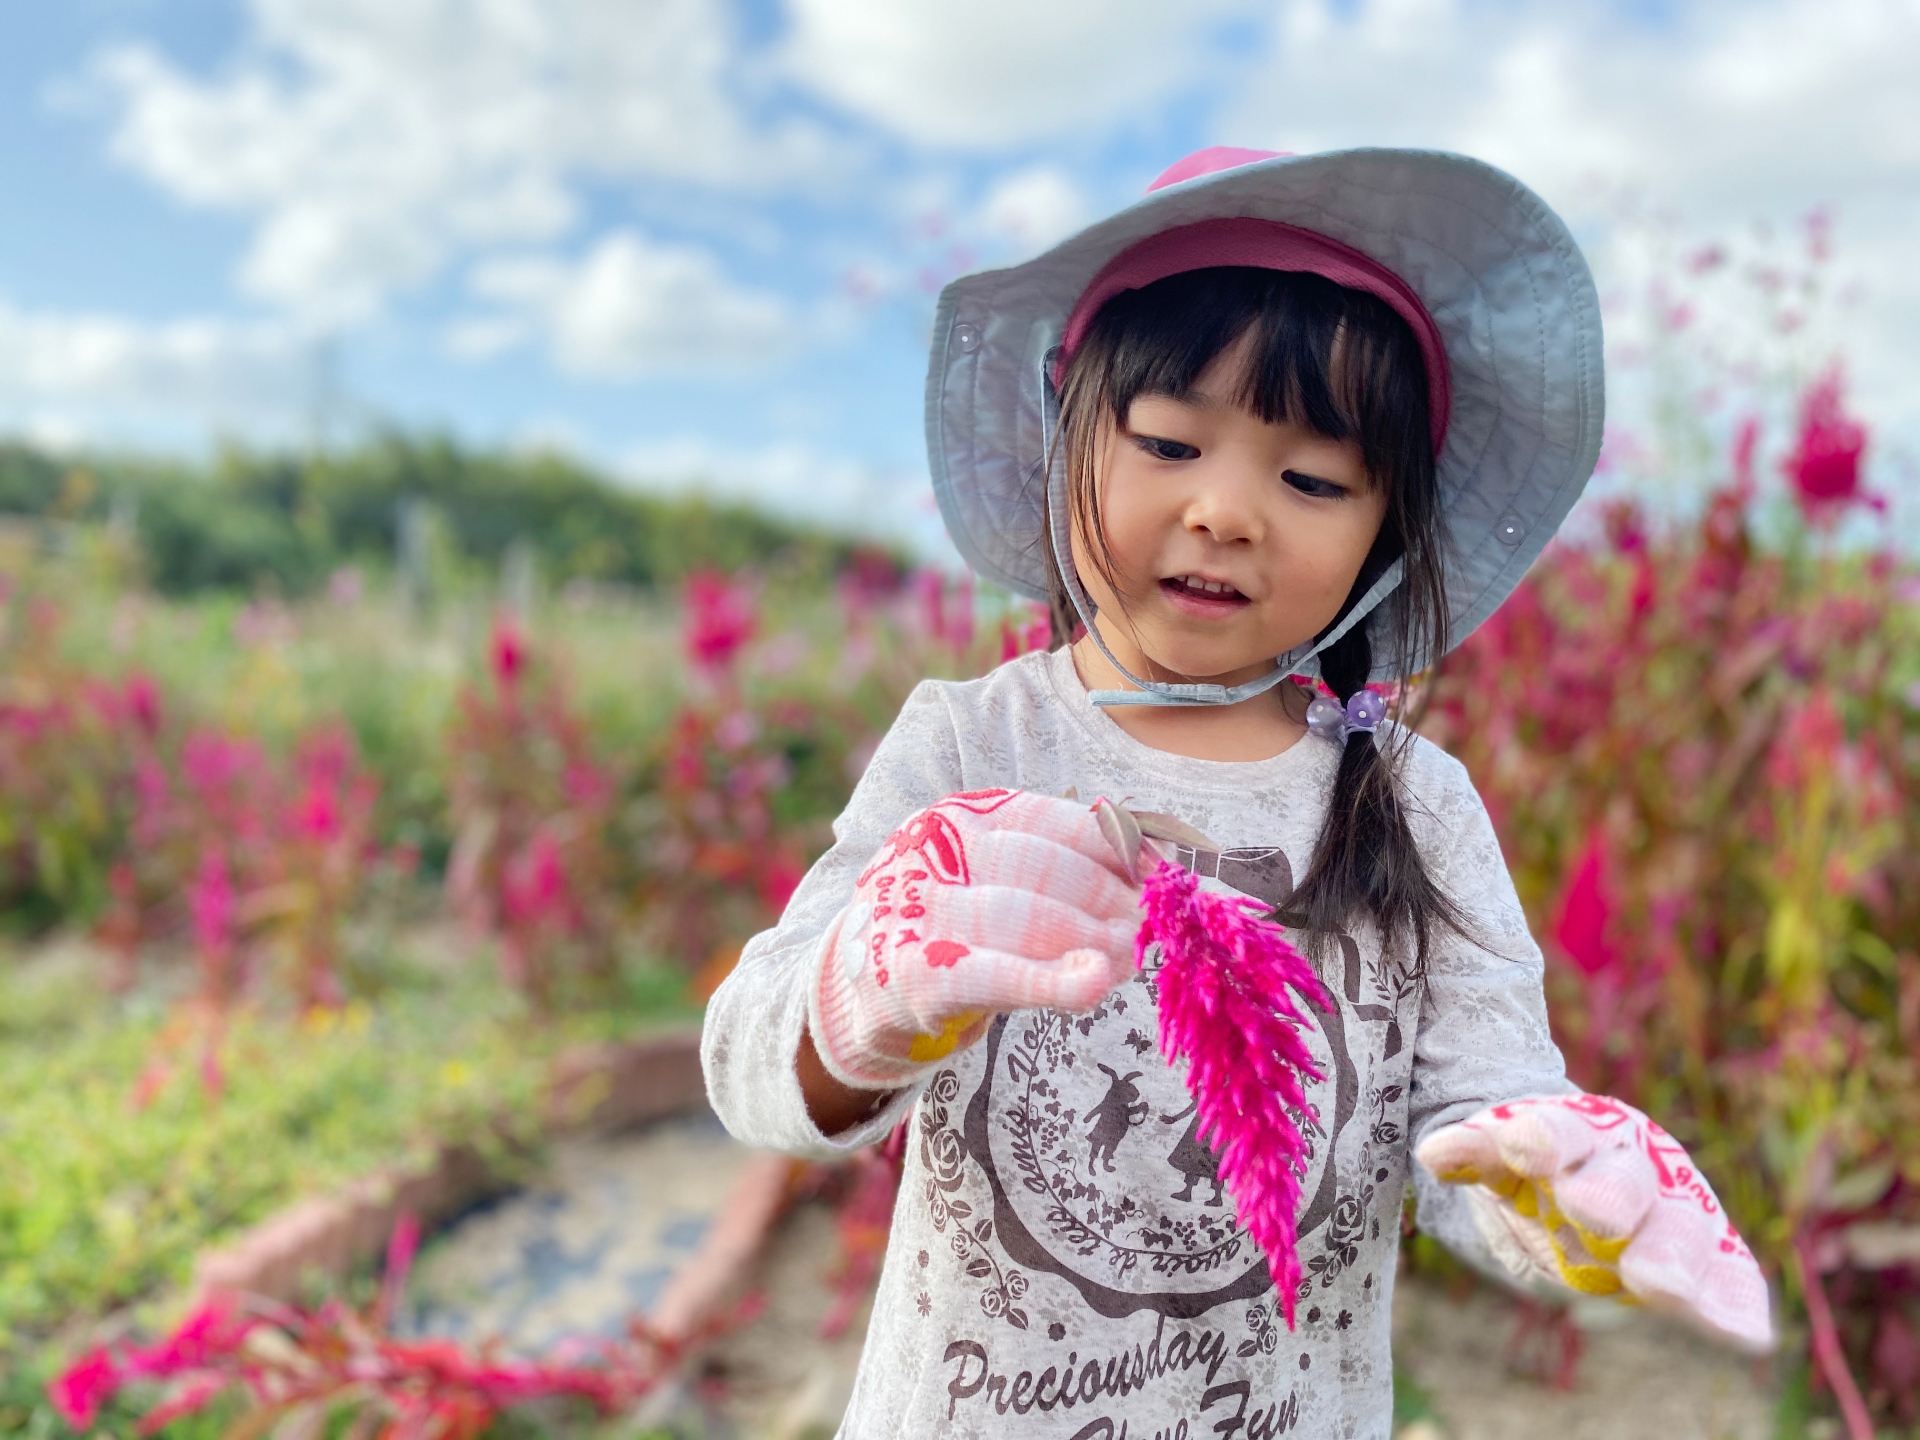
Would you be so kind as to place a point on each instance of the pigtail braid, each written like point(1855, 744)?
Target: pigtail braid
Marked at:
point(1366, 861)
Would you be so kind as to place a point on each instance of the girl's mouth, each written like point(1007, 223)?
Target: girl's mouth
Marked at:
point(1197, 595)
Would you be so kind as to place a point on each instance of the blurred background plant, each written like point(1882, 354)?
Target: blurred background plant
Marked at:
point(1699, 739)
point(295, 884)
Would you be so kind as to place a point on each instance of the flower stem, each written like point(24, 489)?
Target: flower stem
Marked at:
point(1826, 1344)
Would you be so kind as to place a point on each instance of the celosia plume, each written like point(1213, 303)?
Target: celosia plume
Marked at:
point(1586, 912)
point(507, 652)
point(720, 620)
point(1825, 464)
point(946, 607)
point(1224, 979)
point(211, 899)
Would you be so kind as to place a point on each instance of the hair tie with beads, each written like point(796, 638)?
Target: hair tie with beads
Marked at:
point(1332, 721)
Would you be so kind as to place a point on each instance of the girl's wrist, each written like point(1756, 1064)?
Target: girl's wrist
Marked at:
point(834, 1106)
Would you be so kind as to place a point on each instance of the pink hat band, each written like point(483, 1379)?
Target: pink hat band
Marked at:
point(1264, 245)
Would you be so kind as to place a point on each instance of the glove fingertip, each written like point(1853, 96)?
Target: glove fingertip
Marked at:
point(1085, 977)
point(1457, 1155)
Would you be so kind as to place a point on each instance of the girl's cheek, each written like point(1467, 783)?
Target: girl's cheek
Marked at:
point(1129, 533)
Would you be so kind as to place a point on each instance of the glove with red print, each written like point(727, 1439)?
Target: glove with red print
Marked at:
point(985, 902)
point(1586, 1189)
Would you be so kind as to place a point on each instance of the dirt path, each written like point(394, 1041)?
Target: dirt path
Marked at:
point(594, 1241)
point(1638, 1375)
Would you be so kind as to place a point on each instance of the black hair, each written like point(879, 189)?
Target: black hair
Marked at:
point(1343, 364)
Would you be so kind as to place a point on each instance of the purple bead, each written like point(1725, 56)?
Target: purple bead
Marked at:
point(1326, 719)
point(1365, 710)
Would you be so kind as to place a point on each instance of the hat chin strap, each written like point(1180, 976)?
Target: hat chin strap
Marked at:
point(1160, 692)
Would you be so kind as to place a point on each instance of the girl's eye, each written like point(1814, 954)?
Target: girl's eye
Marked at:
point(1166, 449)
point(1313, 485)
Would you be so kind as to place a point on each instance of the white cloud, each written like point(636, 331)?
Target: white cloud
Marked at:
point(994, 73)
point(1721, 113)
point(1035, 208)
point(1729, 105)
point(629, 307)
point(373, 140)
point(71, 366)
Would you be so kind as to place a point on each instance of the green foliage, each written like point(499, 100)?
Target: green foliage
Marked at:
point(118, 1161)
point(1411, 1401)
point(252, 519)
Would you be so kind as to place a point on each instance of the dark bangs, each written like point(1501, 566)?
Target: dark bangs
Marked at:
point(1337, 361)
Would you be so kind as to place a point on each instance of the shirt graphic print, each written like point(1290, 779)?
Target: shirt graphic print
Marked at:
point(1052, 1173)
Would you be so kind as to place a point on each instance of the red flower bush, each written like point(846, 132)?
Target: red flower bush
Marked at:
point(1702, 761)
point(531, 802)
point(305, 1370)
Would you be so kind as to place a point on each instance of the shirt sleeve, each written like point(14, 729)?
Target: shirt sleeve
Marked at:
point(1483, 1034)
point(755, 1019)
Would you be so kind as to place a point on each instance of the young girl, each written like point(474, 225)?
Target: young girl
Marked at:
point(1288, 416)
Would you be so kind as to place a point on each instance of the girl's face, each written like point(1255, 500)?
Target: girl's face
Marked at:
point(1231, 540)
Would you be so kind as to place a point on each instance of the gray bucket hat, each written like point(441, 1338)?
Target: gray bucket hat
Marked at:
point(1506, 288)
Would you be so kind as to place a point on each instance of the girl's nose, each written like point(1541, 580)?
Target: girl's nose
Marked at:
point(1226, 507)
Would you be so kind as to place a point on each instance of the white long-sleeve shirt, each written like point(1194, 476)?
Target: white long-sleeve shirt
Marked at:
point(1063, 1261)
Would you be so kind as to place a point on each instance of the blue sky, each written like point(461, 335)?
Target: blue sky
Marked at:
point(696, 240)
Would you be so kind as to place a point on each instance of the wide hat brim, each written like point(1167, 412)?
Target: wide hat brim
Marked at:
point(1495, 267)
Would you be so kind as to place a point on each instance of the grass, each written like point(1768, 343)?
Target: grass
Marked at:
point(1411, 1402)
point(118, 1161)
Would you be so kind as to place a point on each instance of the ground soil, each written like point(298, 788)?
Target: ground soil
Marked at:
point(1637, 1375)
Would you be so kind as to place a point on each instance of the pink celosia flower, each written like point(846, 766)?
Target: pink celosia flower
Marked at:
point(507, 652)
point(211, 899)
point(327, 754)
point(719, 620)
point(1225, 1005)
point(83, 1387)
point(534, 882)
point(588, 787)
point(317, 813)
point(1745, 442)
point(1586, 911)
point(869, 578)
point(143, 703)
point(204, 1338)
point(213, 762)
point(779, 878)
point(946, 608)
point(152, 793)
point(1825, 464)
point(1034, 633)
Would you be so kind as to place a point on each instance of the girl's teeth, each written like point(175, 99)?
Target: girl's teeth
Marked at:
point(1208, 587)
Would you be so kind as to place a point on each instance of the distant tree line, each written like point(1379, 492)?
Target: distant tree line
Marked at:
point(246, 518)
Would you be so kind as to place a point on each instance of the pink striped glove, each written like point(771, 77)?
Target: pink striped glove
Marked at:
point(986, 902)
point(1587, 1189)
